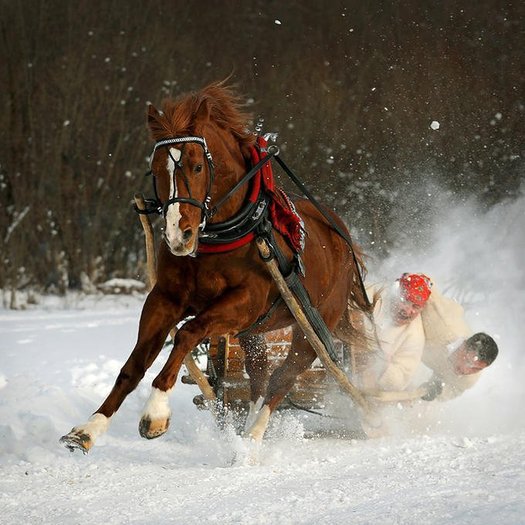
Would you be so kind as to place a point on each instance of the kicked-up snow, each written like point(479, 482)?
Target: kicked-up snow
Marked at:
point(462, 462)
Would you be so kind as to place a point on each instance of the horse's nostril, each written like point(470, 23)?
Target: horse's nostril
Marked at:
point(187, 234)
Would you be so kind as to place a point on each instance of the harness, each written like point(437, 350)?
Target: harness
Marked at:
point(254, 219)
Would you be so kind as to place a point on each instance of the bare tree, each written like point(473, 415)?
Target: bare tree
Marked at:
point(352, 88)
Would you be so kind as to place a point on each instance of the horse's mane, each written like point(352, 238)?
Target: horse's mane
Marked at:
point(225, 107)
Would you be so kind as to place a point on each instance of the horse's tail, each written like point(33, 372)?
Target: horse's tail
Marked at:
point(357, 295)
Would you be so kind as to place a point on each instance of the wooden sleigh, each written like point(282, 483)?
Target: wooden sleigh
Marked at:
point(227, 377)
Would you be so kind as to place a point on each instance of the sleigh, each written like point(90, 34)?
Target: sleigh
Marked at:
point(226, 374)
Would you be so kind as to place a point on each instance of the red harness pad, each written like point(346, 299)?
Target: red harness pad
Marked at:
point(283, 216)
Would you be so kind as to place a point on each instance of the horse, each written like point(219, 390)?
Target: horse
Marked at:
point(203, 150)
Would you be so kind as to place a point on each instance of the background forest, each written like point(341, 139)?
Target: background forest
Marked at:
point(387, 110)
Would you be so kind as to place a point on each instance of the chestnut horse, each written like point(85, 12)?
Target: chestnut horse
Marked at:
point(202, 150)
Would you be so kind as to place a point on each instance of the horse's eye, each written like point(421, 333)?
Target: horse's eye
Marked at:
point(197, 168)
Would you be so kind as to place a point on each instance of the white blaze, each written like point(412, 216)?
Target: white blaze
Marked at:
point(173, 215)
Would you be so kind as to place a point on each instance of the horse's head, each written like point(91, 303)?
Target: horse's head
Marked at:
point(183, 171)
point(182, 163)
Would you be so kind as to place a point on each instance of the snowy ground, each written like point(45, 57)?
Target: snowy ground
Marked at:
point(460, 463)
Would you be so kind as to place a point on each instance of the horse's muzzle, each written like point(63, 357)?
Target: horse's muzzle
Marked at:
point(187, 246)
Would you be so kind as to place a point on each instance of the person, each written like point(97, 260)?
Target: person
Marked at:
point(414, 324)
point(395, 339)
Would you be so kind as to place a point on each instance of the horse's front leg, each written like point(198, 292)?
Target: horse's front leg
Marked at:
point(224, 316)
point(158, 317)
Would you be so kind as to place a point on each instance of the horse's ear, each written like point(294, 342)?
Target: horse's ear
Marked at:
point(153, 115)
point(203, 113)
point(155, 123)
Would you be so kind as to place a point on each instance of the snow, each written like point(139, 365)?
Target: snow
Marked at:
point(461, 462)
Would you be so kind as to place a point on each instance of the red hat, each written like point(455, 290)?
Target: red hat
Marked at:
point(415, 287)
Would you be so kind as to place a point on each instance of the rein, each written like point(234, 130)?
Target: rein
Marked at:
point(330, 220)
point(246, 178)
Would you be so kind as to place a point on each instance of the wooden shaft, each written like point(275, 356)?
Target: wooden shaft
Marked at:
point(387, 396)
point(201, 380)
point(149, 239)
point(194, 371)
point(307, 329)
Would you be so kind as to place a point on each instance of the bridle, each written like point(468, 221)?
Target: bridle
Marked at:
point(162, 207)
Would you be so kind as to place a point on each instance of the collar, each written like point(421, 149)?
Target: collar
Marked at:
point(239, 230)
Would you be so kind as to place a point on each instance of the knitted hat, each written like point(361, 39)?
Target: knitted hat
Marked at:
point(415, 287)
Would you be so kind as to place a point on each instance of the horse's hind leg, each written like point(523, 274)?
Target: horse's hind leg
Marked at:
point(256, 364)
point(155, 323)
point(300, 356)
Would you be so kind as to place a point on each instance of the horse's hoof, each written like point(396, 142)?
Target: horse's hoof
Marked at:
point(77, 440)
point(153, 429)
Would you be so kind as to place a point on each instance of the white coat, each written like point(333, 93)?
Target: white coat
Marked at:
point(397, 350)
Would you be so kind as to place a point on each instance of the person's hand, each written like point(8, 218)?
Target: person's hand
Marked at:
point(434, 387)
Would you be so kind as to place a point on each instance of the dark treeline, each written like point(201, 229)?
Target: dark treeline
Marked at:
point(353, 88)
